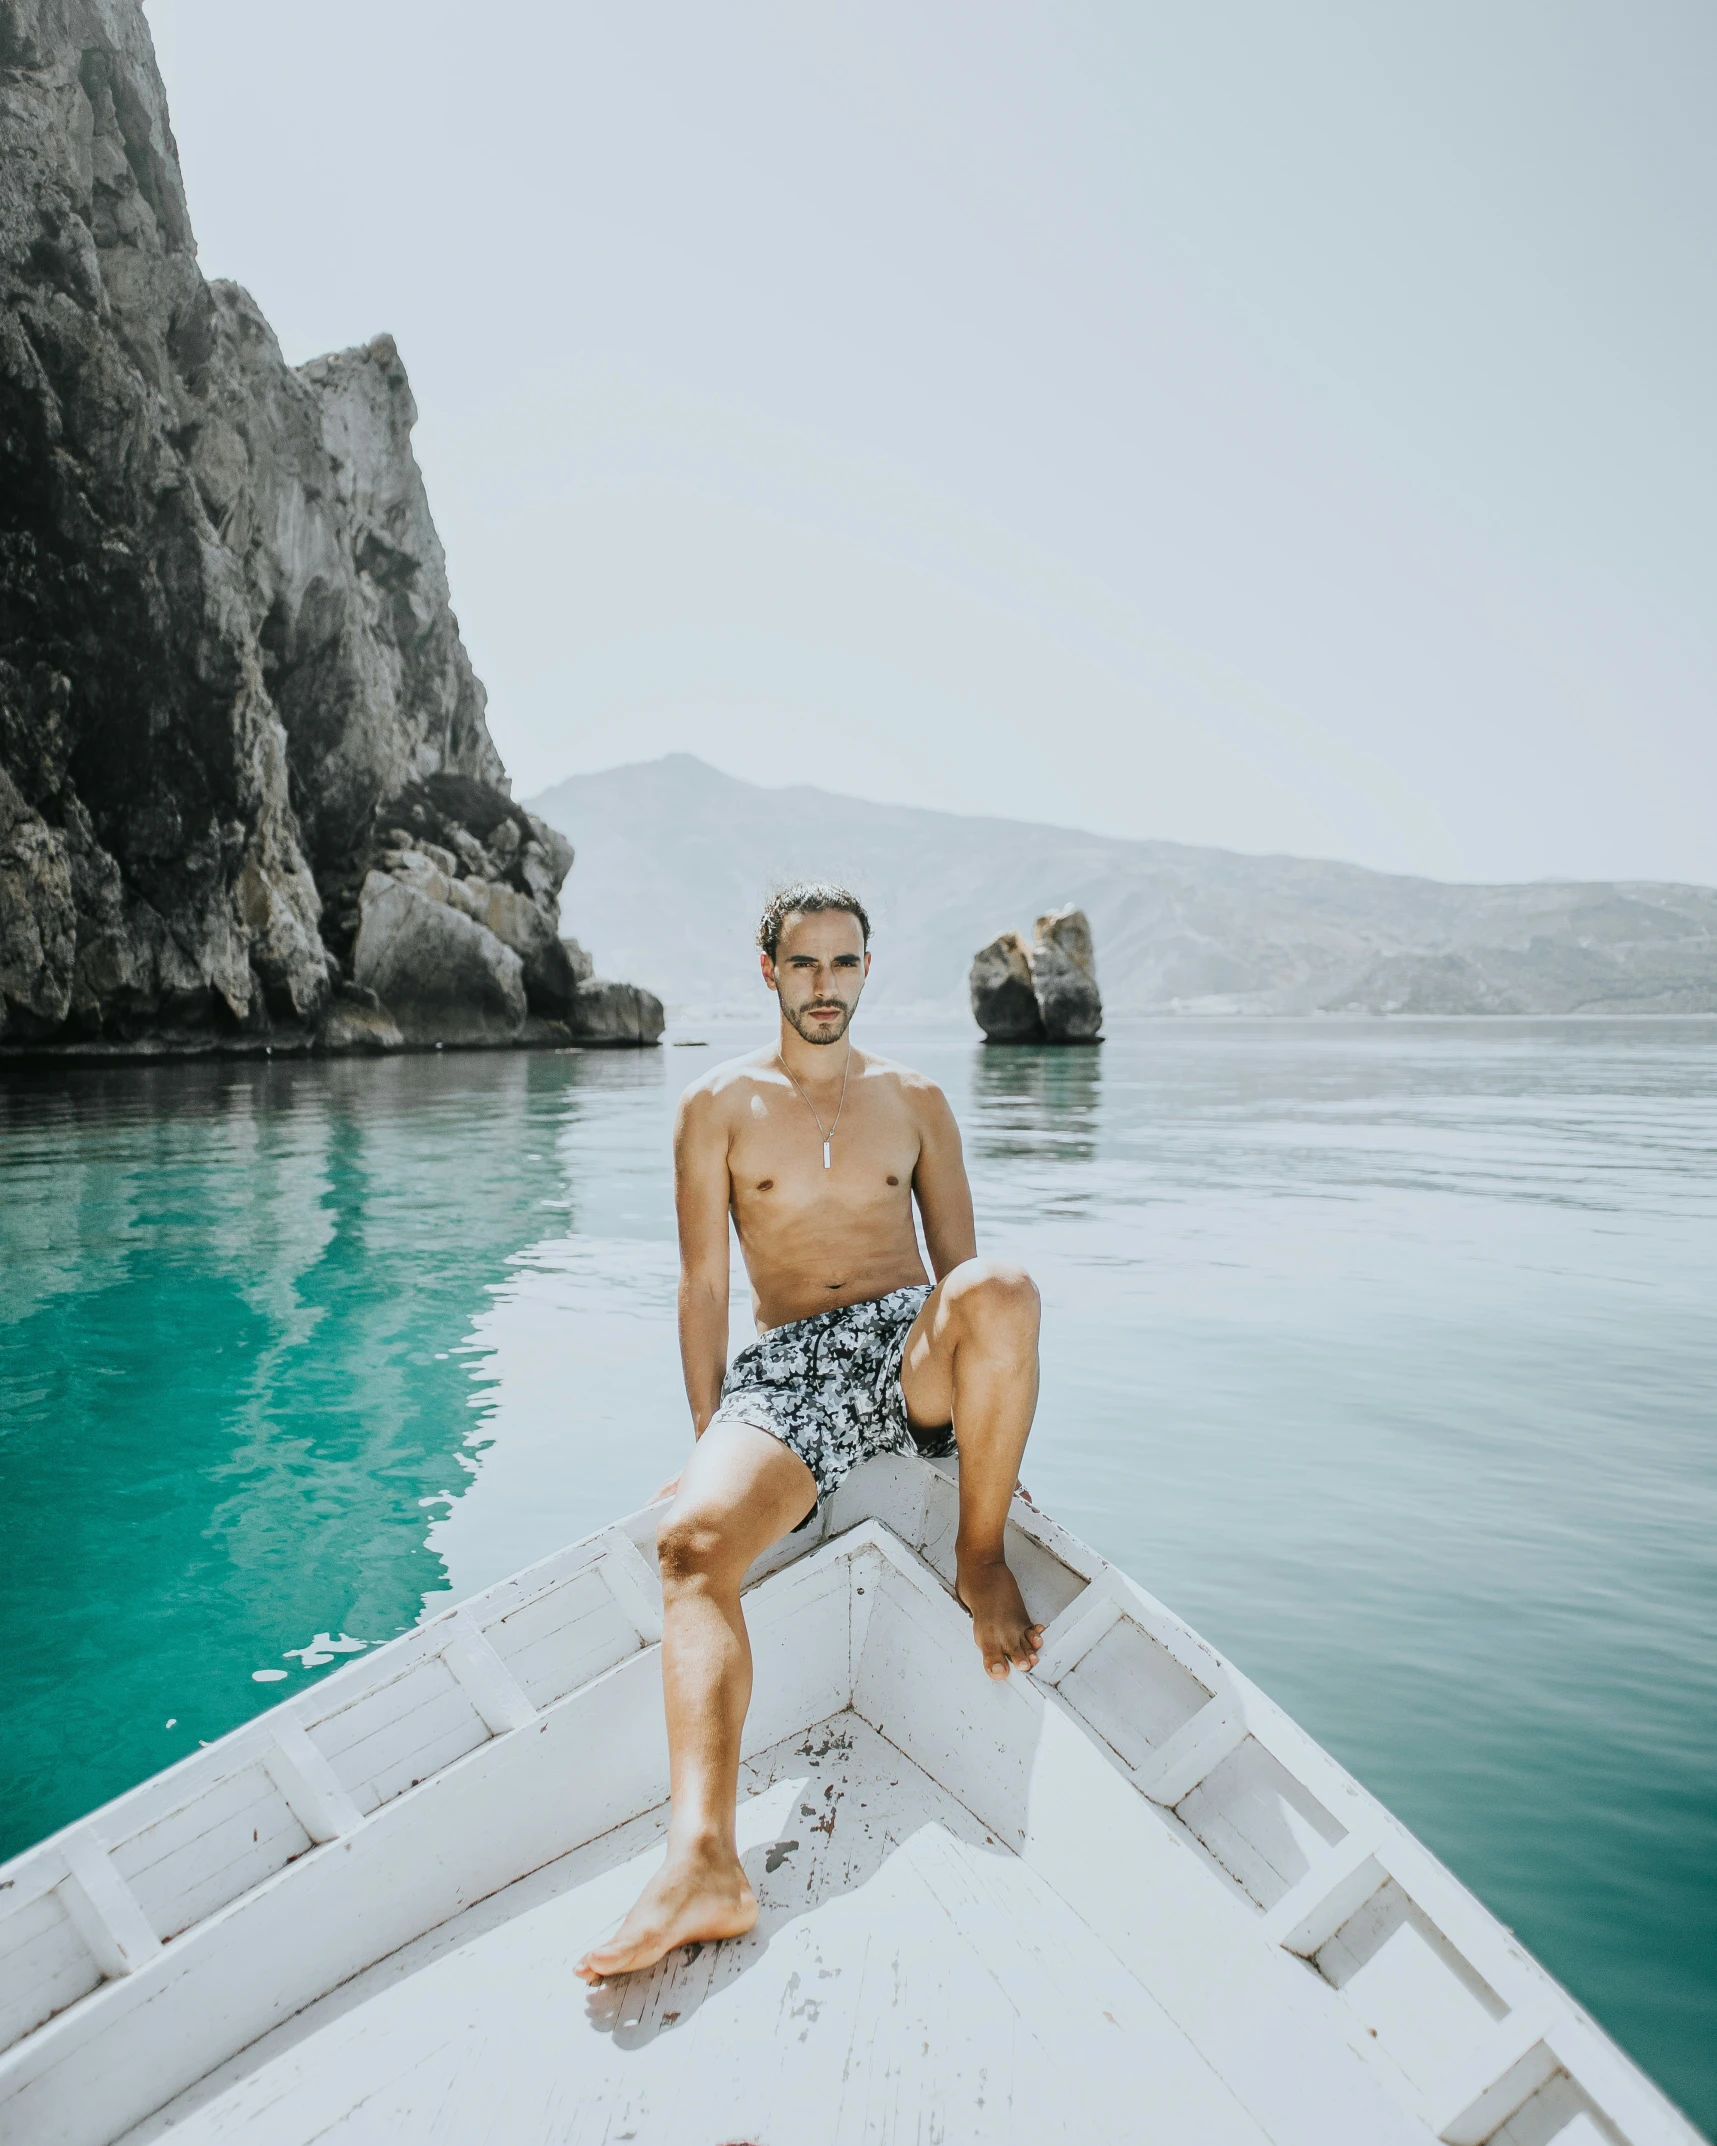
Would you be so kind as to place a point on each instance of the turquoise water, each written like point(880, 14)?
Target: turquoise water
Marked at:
point(1385, 1353)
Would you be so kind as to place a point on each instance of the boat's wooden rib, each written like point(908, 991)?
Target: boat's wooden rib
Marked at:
point(1284, 1961)
point(308, 1785)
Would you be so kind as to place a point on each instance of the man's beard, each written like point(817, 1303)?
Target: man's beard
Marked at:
point(798, 1019)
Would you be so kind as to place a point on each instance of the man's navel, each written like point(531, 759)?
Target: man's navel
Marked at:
point(766, 1184)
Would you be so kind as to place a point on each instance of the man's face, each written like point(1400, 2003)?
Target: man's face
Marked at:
point(818, 972)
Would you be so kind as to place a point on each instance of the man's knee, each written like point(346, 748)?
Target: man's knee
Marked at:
point(991, 1296)
point(692, 1546)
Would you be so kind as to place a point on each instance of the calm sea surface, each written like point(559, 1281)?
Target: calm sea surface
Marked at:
point(1386, 1354)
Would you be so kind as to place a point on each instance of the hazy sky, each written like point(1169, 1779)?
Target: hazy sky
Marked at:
point(1283, 427)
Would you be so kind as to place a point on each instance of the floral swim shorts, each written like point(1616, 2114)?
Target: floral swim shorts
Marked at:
point(829, 1387)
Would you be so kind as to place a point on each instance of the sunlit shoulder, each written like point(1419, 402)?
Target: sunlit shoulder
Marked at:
point(720, 1083)
point(917, 1090)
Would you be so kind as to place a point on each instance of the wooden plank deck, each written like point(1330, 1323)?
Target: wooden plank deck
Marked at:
point(910, 1979)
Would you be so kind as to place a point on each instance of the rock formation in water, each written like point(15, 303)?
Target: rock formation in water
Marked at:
point(247, 791)
point(1064, 976)
point(1004, 1005)
point(1042, 993)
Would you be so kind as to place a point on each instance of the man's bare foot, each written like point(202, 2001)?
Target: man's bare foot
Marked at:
point(698, 1895)
point(1001, 1624)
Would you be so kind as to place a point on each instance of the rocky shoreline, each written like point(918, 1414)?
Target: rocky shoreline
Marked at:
point(248, 797)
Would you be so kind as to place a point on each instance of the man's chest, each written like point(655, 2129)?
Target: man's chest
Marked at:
point(784, 1161)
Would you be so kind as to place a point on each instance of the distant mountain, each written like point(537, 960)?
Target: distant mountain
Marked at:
point(675, 860)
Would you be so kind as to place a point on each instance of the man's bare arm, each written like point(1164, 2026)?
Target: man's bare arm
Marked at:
point(939, 1184)
point(701, 1194)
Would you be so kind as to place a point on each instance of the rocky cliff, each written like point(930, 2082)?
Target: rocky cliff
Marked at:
point(234, 703)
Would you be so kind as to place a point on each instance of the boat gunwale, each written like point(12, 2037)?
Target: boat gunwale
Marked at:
point(1555, 2028)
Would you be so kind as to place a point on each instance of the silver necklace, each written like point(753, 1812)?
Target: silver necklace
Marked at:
point(828, 1137)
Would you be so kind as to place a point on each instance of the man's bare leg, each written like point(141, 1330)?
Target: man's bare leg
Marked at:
point(741, 1491)
point(971, 1359)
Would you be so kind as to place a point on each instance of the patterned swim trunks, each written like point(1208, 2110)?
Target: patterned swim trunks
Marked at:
point(829, 1387)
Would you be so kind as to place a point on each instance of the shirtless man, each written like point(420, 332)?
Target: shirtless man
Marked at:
point(817, 1151)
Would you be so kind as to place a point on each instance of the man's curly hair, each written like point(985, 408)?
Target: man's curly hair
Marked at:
point(805, 897)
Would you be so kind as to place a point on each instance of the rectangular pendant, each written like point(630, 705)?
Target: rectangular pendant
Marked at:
point(826, 1163)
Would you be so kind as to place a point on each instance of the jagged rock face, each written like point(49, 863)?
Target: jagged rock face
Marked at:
point(1004, 1005)
point(504, 882)
point(226, 648)
point(455, 932)
point(1042, 993)
point(1064, 977)
point(443, 977)
point(508, 878)
point(358, 1021)
point(604, 1012)
point(360, 648)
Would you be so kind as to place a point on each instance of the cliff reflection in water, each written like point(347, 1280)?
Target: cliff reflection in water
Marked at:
point(232, 1396)
point(1037, 1100)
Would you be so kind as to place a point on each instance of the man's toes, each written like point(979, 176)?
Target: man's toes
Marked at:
point(618, 1957)
point(995, 1654)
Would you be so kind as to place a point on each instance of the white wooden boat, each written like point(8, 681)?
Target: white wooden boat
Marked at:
point(1124, 1899)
